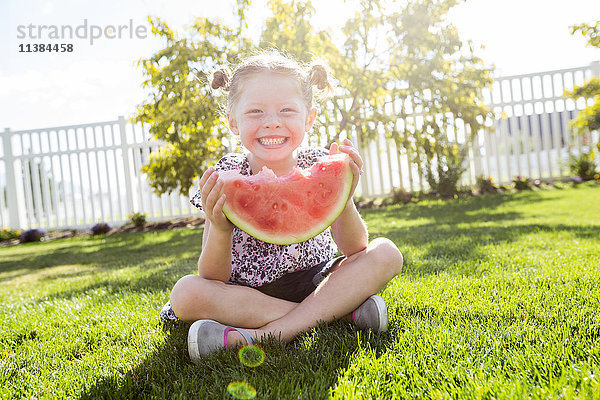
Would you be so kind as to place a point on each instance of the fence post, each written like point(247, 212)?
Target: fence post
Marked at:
point(126, 170)
point(12, 192)
point(595, 67)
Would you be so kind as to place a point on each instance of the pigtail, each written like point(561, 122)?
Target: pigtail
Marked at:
point(318, 76)
point(221, 79)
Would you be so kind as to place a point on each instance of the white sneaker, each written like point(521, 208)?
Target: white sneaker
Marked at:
point(372, 314)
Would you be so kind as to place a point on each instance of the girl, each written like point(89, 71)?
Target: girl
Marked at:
point(247, 289)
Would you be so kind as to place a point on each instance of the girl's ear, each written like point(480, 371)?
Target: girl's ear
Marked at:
point(310, 119)
point(233, 125)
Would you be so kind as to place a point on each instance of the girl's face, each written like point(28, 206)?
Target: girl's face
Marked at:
point(271, 117)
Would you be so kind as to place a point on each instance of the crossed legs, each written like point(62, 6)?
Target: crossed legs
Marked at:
point(350, 283)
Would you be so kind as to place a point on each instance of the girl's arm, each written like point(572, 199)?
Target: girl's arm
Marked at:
point(215, 258)
point(349, 230)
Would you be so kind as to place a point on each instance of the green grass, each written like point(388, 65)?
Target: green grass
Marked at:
point(499, 298)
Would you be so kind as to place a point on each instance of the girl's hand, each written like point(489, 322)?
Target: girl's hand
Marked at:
point(356, 162)
point(213, 200)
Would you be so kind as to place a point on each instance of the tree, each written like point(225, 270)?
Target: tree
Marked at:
point(588, 118)
point(181, 110)
point(407, 57)
point(438, 79)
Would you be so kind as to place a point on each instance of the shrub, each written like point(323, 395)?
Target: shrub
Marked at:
point(32, 235)
point(485, 184)
point(583, 166)
point(100, 228)
point(448, 171)
point(400, 195)
point(137, 218)
point(8, 234)
point(521, 183)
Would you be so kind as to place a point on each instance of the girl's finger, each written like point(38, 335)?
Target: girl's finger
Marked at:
point(209, 184)
point(333, 149)
point(214, 194)
point(206, 175)
point(353, 154)
point(218, 208)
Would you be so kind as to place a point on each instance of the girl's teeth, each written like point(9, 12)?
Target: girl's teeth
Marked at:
point(271, 141)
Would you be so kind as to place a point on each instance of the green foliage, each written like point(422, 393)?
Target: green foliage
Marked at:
point(521, 183)
point(181, 110)
point(589, 31)
point(485, 185)
point(587, 119)
point(443, 177)
point(583, 166)
point(400, 195)
point(137, 218)
point(7, 234)
point(439, 77)
point(395, 61)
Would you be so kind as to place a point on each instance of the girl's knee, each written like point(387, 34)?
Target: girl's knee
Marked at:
point(188, 296)
point(387, 255)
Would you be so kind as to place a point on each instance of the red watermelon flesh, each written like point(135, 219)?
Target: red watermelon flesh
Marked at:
point(290, 208)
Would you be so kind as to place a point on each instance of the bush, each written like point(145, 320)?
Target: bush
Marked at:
point(521, 183)
point(583, 166)
point(401, 196)
point(485, 185)
point(138, 219)
point(100, 228)
point(448, 171)
point(7, 234)
point(32, 235)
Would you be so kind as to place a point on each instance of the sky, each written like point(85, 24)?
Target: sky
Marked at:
point(100, 80)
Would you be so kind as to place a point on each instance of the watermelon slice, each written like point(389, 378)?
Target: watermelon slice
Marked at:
point(290, 208)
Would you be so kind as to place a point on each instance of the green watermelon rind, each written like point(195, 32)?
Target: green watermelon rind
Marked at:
point(337, 210)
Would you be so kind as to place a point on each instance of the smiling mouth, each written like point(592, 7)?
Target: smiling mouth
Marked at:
point(270, 141)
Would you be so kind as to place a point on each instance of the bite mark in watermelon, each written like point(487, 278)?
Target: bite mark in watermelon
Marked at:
point(291, 208)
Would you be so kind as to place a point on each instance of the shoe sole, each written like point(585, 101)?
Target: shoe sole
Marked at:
point(383, 312)
point(192, 341)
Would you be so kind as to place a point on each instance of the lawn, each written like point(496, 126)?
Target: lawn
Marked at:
point(499, 298)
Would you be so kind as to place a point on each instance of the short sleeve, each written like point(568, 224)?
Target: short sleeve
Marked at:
point(231, 161)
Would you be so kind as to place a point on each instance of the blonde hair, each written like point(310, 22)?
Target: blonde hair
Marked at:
point(274, 61)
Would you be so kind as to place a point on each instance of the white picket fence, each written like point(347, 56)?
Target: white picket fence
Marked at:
point(76, 176)
point(530, 136)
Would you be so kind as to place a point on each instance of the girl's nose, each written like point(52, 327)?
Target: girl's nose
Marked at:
point(271, 121)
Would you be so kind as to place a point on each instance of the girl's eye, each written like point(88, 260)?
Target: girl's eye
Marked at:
point(255, 111)
point(287, 109)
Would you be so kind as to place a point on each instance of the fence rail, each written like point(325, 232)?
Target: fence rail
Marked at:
point(74, 176)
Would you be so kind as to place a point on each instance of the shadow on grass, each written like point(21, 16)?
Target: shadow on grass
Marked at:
point(114, 251)
point(442, 247)
point(472, 209)
point(306, 368)
point(451, 234)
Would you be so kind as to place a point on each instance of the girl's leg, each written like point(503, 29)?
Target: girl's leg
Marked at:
point(352, 282)
point(194, 298)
